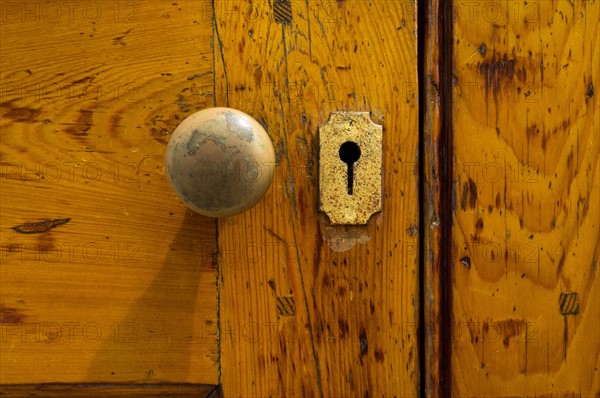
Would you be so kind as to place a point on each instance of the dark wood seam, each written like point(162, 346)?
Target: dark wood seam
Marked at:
point(445, 160)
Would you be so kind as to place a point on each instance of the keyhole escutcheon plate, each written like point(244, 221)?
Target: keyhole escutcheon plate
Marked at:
point(350, 199)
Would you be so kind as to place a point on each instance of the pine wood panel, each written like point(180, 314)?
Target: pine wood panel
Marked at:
point(525, 289)
point(115, 280)
point(307, 309)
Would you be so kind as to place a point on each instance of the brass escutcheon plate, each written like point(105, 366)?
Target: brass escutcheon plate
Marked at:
point(350, 199)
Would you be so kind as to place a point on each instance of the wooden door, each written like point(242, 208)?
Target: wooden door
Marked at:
point(478, 278)
point(107, 278)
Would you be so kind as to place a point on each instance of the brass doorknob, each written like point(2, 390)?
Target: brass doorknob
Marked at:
point(220, 162)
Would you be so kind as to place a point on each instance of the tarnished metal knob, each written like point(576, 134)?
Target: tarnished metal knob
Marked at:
point(220, 162)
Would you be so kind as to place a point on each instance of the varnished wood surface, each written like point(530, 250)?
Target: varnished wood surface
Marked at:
point(526, 116)
point(93, 240)
point(122, 287)
point(303, 310)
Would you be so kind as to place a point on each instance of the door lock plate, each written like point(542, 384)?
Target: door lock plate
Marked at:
point(350, 168)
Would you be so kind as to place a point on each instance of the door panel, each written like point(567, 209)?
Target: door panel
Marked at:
point(525, 232)
point(115, 280)
point(308, 309)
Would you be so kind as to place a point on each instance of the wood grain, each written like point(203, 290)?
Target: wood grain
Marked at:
point(526, 117)
point(307, 309)
point(105, 276)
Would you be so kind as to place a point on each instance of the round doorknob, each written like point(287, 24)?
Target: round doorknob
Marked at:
point(220, 162)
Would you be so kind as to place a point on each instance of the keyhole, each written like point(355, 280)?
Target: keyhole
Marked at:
point(350, 153)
